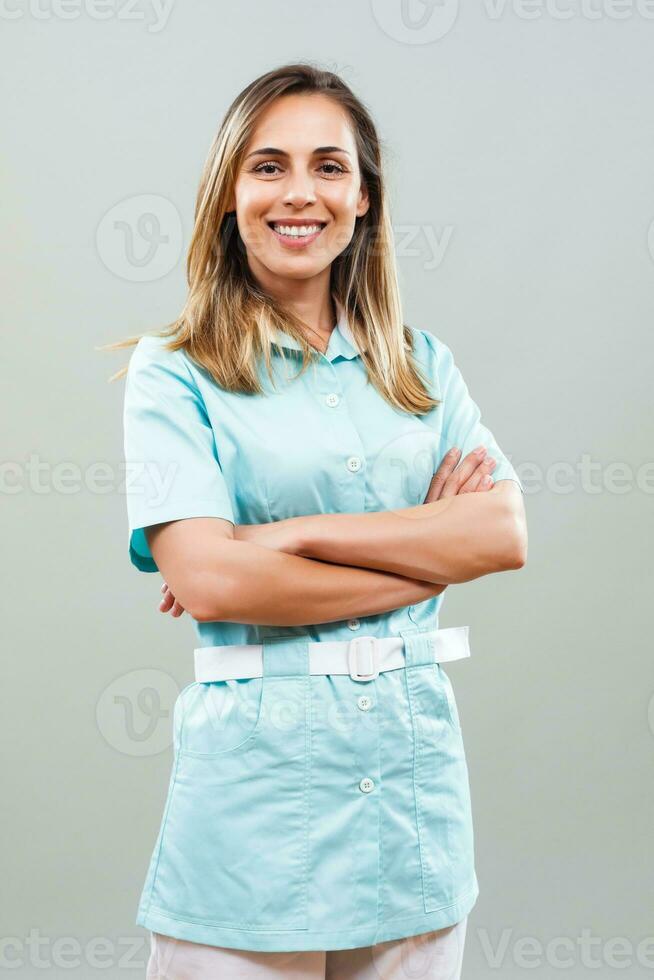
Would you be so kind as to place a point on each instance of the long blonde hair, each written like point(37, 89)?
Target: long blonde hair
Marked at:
point(228, 321)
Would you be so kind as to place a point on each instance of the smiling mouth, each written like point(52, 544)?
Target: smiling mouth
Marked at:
point(296, 232)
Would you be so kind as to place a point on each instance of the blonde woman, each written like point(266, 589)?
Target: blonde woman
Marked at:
point(308, 475)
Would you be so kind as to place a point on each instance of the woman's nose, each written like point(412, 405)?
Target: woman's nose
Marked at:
point(300, 190)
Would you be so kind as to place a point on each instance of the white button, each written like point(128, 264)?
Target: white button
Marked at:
point(332, 399)
point(354, 464)
point(366, 785)
point(353, 624)
point(364, 702)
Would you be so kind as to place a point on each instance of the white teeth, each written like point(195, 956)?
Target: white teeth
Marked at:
point(297, 231)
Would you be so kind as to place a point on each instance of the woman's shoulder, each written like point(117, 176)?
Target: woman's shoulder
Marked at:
point(152, 349)
point(427, 345)
point(154, 367)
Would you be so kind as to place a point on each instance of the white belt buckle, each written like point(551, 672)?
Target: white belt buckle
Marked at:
point(363, 653)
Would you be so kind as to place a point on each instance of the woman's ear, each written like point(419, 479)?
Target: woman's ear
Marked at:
point(364, 201)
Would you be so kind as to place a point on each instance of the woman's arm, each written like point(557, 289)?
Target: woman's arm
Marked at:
point(450, 540)
point(455, 535)
point(216, 577)
point(281, 536)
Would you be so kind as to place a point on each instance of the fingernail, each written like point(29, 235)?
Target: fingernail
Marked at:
point(454, 452)
point(480, 450)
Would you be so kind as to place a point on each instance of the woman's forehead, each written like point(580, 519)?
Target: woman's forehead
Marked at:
point(302, 123)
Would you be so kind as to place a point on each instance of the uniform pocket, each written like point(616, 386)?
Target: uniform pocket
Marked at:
point(220, 717)
point(235, 852)
point(442, 791)
point(448, 690)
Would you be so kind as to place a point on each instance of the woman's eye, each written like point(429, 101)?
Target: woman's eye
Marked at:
point(332, 163)
point(270, 164)
point(259, 169)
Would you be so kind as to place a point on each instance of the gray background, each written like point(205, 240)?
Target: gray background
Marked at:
point(521, 140)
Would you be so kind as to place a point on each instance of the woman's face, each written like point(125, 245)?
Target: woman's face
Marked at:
point(299, 171)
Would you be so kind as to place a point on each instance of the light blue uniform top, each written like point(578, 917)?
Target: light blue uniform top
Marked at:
point(315, 838)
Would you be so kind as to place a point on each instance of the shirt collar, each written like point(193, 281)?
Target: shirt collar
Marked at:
point(341, 340)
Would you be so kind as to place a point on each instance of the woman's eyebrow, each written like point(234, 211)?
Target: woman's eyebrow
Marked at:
point(270, 150)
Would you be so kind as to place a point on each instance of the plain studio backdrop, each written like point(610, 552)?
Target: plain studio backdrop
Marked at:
point(521, 169)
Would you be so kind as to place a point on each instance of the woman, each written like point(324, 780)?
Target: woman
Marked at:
point(317, 822)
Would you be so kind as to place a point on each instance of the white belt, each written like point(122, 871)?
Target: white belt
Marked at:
point(362, 657)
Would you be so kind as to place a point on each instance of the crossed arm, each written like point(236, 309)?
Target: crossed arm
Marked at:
point(327, 567)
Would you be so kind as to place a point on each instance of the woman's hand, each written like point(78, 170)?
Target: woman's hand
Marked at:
point(472, 475)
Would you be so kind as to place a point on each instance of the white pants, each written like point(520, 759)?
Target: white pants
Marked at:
point(430, 956)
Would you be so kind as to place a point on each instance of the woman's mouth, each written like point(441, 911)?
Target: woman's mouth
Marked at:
point(296, 236)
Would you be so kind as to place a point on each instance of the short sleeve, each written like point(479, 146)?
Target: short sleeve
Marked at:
point(461, 423)
point(172, 465)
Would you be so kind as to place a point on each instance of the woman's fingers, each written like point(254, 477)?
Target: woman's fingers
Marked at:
point(442, 474)
point(481, 478)
point(168, 599)
point(450, 479)
point(169, 603)
point(464, 474)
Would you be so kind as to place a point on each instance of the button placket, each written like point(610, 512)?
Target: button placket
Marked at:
point(346, 432)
